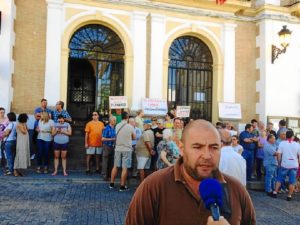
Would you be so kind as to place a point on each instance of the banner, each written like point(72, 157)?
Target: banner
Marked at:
point(118, 102)
point(183, 111)
point(230, 111)
point(153, 106)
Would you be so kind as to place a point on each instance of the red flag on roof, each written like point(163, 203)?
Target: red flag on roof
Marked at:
point(220, 1)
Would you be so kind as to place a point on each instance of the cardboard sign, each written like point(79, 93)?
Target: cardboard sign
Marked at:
point(118, 102)
point(230, 111)
point(183, 111)
point(153, 106)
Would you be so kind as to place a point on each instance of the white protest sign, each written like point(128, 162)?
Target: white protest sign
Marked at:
point(183, 111)
point(118, 102)
point(153, 106)
point(230, 111)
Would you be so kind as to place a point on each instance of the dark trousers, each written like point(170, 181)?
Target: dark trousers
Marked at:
point(107, 160)
point(3, 157)
point(43, 152)
point(249, 157)
point(134, 162)
point(259, 167)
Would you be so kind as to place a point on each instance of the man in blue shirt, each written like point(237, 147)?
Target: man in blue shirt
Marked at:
point(248, 141)
point(282, 127)
point(270, 164)
point(43, 108)
point(60, 111)
point(108, 140)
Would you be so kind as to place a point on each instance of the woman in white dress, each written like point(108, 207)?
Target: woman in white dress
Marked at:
point(22, 159)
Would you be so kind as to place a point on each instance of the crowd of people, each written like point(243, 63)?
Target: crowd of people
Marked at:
point(137, 145)
point(51, 130)
point(274, 154)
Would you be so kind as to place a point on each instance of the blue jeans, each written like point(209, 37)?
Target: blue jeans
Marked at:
point(249, 157)
point(10, 151)
point(43, 152)
point(270, 177)
point(291, 173)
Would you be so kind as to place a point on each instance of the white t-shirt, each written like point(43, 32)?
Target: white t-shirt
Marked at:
point(232, 132)
point(237, 148)
point(45, 130)
point(12, 126)
point(289, 154)
point(233, 164)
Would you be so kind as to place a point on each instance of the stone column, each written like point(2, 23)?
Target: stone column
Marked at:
point(53, 48)
point(7, 41)
point(139, 27)
point(229, 62)
point(158, 28)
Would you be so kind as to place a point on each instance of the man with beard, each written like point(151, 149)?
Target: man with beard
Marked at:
point(170, 196)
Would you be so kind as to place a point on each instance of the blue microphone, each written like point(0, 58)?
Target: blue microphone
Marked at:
point(211, 193)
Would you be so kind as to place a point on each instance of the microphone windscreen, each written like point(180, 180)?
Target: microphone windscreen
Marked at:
point(211, 192)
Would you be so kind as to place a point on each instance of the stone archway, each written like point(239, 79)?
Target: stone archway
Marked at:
point(117, 27)
point(96, 70)
point(213, 44)
point(190, 76)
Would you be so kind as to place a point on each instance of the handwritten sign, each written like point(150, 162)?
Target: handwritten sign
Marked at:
point(293, 123)
point(183, 111)
point(230, 111)
point(118, 102)
point(153, 106)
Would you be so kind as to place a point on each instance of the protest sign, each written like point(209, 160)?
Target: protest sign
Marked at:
point(154, 106)
point(118, 102)
point(183, 111)
point(230, 111)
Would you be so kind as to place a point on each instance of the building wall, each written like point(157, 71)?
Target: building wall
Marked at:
point(256, 81)
point(29, 55)
point(128, 22)
point(147, 49)
point(245, 69)
point(279, 82)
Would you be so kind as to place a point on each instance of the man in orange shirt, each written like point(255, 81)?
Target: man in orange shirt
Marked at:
point(93, 141)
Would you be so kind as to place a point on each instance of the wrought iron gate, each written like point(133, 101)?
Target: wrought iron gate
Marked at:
point(190, 76)
point(101, 51)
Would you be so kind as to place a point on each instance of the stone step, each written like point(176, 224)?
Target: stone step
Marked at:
point(256, 185)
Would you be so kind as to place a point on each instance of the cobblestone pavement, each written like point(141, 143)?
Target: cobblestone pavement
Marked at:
point(270, 211)
point(87, 200)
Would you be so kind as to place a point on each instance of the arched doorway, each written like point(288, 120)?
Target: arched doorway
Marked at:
point(190, 76)
point(96, 70)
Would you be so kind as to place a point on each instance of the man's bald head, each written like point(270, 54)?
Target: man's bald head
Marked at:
point(225, 137)
point(197, 124)
point(200, 149)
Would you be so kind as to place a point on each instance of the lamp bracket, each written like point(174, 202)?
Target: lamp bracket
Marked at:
point(276, 52)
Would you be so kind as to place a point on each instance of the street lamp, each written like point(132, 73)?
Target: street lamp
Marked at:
point(284, 39)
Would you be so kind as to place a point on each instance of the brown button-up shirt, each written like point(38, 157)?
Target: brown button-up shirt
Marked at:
point(164, 198)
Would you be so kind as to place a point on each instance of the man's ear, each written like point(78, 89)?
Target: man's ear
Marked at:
point(181, 147)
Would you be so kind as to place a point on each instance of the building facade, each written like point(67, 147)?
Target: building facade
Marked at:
point(196, 53)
